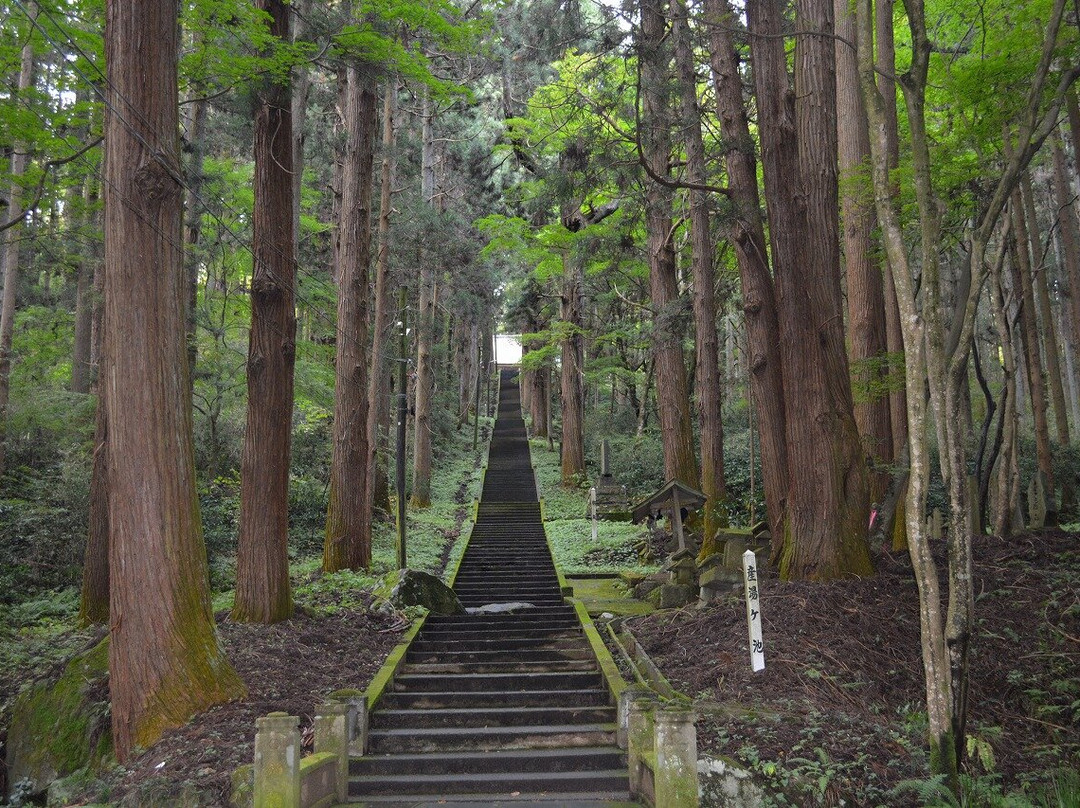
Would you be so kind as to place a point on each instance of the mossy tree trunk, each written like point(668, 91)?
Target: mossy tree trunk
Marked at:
point(165, 663)
point(263, 592)
point(348, 520)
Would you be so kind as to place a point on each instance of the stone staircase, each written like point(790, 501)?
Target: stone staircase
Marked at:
point(506, 705)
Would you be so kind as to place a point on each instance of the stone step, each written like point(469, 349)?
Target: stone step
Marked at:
point(497, 682)
point(476, 739)
point(494, 783)
point(492, 717)
point(614, 799)
point(496, 656)
point(527, 760)
point(522, 667)
point(501, 698)
point(470, 642)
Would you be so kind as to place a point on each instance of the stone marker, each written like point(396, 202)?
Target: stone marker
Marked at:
point(676, 758)
point(332, 721)
point(277, 761)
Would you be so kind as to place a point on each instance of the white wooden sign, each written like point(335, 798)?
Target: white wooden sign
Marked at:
point(753, 610)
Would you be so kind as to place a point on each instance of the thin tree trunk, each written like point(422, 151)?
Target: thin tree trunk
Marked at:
point(747, 232)
point(263, 591)
point(378, 426)
point(1046, 316)
point(865, 296)
point(672, 392)
point(886, 65)
point(82, 377)
point(94, 594)
point(1004, 504)
point(1029, 339)
point(165, 663)
point(348, 518)
point(1070, 244)
point(571, 387)
point(10, 254)
point(425, 373)
point(193, 211)
point(707, 372)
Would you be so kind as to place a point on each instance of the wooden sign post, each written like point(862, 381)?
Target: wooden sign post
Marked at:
point(753, 611)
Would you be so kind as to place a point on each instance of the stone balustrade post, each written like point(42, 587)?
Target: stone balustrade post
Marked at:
point(640, 744)
point(626, 698)
point(332, 721)
point(676, 758)
point(277, 761)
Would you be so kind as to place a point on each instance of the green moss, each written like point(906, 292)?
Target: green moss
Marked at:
point(60, 727)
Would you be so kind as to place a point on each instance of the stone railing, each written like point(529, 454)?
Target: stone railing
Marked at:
point(283, 779)
point(661, 745)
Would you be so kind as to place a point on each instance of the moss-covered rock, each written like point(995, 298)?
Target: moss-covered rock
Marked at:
point(415, 588)
point(60, 726)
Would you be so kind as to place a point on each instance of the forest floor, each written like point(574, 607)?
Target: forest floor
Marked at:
point(839, 711)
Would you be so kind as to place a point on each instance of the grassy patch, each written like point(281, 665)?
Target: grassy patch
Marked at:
point(570, 531)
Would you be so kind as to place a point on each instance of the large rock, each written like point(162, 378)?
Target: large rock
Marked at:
point(415, 588)
point(61, 726)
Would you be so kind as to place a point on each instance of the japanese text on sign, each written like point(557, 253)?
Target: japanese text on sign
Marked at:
point(753, 611)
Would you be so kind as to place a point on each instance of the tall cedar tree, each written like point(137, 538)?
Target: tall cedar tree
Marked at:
point(348, 520)
point(672, 391)
point(378, 425)
point(825, 535)
point(707, 373)
point(9, 250)
point(747, 232)
point(865, 293)
point(165, 663)
point(263, 592)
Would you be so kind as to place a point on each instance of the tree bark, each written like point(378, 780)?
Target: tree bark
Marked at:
point(672, 392)
point(82, 377)
point(378, 426)
point(425, 332)
point(747, 233)
point(886, 66)
point(17, 167)
point(94, 593)
point(572, 387)
point(1070, 244)
point(1030, 341)
point(165, 663)
point(263, 592)
point(707, 372)
point(1048, 328)
point(827, 507)
point(865, 295)
point(348, 518)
